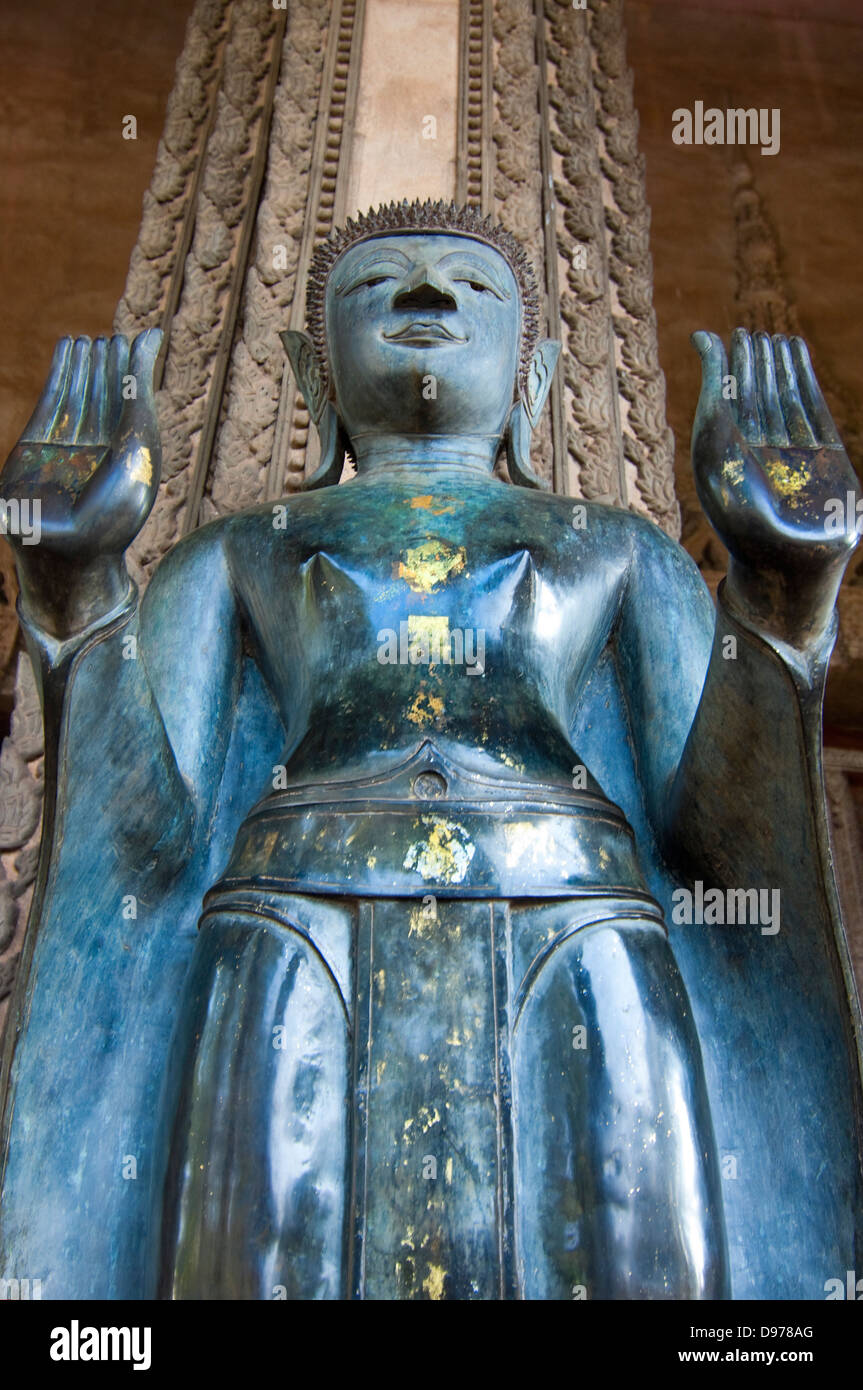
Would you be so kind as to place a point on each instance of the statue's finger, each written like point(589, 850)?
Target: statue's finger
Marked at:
point(92, 429)
point(75, 395)
point(744, 387)
point(769, 404)
point(116, 370)
point(41, 422)
point(799, 430)
point(813, 402)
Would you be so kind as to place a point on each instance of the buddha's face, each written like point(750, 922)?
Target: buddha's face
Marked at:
point(423, 335)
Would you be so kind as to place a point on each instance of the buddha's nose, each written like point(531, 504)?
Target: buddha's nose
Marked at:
point(425, 290)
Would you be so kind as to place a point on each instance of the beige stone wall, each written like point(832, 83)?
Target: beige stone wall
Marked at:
point(404, 139)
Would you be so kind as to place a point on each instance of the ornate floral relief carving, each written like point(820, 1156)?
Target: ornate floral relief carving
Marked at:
point(294, 452)
point(591, 412)
point(20, 822)
point(517, 180)
point(241, 457)
point(209, 269)
point(840, 765)
point(474, 113)
point(619, 445)
point(648, 443)
point(167, 202)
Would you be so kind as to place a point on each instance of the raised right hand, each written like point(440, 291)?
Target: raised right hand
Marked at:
point(88, 462)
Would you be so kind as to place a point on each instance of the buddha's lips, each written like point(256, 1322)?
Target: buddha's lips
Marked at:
point(421, 334)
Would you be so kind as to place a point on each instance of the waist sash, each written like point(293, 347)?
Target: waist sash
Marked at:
point(430, 827)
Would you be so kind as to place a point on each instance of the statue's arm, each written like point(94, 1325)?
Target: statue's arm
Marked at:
point(742, 789)
point(748, 788)
point(140, 705)
point(158, 676)
point(725, 725)
point(191, 656)
point(662, 645)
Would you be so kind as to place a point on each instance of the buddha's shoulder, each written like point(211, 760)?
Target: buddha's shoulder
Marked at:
point(218, 537)
point(631, 542)
point(581, 521)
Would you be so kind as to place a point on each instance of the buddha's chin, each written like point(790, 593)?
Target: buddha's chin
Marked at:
point(420, 401)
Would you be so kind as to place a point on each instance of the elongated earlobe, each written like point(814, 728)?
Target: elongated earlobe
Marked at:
point(524, 416)
point(312, 387)
point(333, 449)
point(518, 432)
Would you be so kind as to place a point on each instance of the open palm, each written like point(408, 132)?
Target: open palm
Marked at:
point(767, 456)
point(772, 475)
point(90, 452)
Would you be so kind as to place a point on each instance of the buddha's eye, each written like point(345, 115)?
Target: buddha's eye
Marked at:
point(367, 283)
point(478, 287)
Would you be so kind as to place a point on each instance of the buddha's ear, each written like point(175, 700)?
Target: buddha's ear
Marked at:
point(312, 384)
point(307, 370)
point(517, 438)
point(524, 416)
point(539, 378)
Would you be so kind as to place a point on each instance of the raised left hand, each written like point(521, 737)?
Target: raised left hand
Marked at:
point(774, 481)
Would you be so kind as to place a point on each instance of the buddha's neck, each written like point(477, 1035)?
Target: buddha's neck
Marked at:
point(378, 453)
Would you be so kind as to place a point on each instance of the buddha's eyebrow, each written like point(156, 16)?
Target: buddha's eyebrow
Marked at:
point(382, 255)
point(479, 265)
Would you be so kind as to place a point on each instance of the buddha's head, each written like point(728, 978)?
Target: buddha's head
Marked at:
point(422, 327)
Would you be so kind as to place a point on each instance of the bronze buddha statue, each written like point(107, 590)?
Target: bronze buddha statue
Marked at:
point(364, 826)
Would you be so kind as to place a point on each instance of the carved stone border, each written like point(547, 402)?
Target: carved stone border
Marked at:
point(474, 178)
point(294, 452)
point(265, 67)
point(158, 259)
point(648, 443)
point(550, 253)
point(190, 399)
point(517, 169)
point(569, 182)
point(20, 822)
point(593, 466)
point(252, 458)
point(619, 445)
point(270, 180)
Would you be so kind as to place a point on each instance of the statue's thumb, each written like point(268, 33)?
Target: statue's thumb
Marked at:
point(714, 365)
